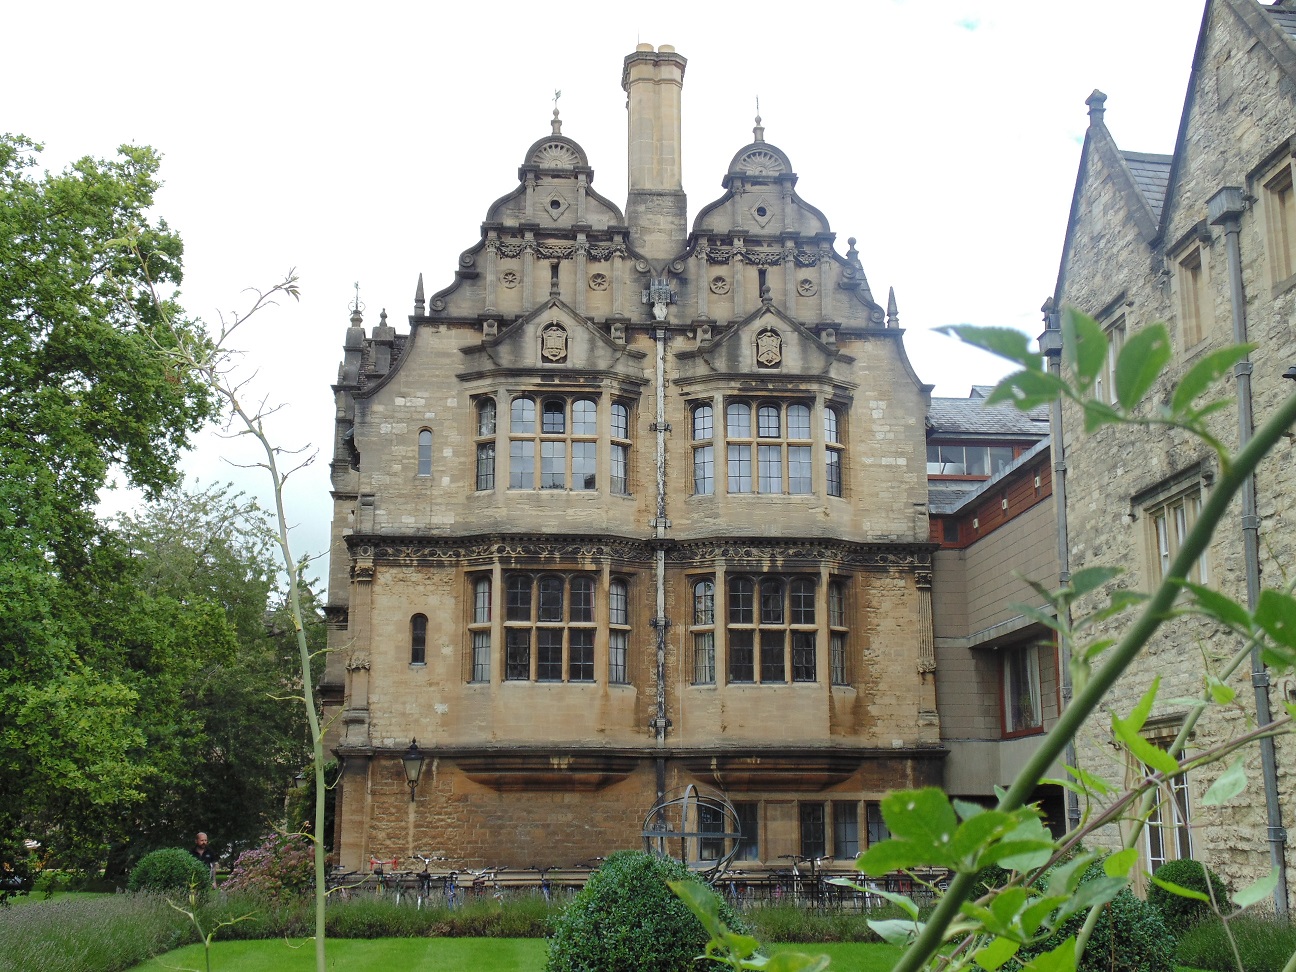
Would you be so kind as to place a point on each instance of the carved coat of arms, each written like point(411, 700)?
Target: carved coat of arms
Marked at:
point(769, 348)
point(553, 343)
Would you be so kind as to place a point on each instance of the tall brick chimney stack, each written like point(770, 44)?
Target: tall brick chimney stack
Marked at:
point(656, 209)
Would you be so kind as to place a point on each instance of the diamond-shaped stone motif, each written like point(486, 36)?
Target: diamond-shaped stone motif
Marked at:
point(555, 205)
point(762, 210)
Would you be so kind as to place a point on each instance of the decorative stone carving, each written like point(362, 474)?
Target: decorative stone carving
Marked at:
point(719, 285)
point(659, 294)
point(555, 205)
point(466, 259)
point(357, 661)
point(553, 343)
point(807, 287)
point(751, 554)
point(760, 162)
point(598, 281)
point(769, 348)
point(438, 304)
point(509, 279)
point(762, 210)
point(806, 259)
point(555, 251)
point(618, 332)
point(513, 550)
point(606, 251)
point(555, 155)
point(490, 330)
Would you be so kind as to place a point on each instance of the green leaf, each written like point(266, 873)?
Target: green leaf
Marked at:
point(1089, 893)
point(1004, 342)
point(1097, 414)
point(893, 855)
point(966, 809)
point(1127, 731)
point(1276, 613)
point(1089, 579)
point(1141, 361)
point(1231, 783)
point(896, 931)
point(903, 902)
point(1025, 847)
point(994, 955)
point(795, 962)
point(1060, 959)
point(1084, 342)
point(1180, 890)
point(1222, 694)
point(1027, 390)
point(1223, 609)
point(922, 816)
point(1256, 892)
point(703, 902)
point(1091, 782)
point(1205, 373)
point(1120, 864)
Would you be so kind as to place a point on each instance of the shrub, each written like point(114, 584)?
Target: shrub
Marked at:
point(167, 870)
point(1181, 913)
point(1130, 936)
point(1264, 943)
point(282, 867)
point(74, 934)
point(626, 918)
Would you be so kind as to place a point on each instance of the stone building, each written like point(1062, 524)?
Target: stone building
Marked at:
point(632, 505)
point(1203, 239)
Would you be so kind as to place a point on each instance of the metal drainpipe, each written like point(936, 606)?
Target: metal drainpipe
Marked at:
point(1050, 345)
point(1225, 209)
point(660, 524)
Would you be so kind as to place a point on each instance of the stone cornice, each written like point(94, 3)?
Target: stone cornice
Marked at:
point(735, 552)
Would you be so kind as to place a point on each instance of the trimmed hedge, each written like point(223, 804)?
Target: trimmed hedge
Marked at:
point(626, 918)
point(1181, 913)
point(170, 869)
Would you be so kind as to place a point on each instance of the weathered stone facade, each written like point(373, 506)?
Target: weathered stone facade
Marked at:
point(1141, 247)
point(631, 506)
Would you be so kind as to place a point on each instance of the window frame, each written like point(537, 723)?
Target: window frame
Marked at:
point(1278, 198)
point(1194, 306)
point(552, 620)
point(1169, 518)
point(423, 459)
point(418, 628)
point(1021, 661)
point(845, 822)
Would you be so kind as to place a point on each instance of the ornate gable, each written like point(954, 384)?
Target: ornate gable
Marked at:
point(767, 345)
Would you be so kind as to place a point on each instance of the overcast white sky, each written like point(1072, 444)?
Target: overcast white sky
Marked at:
point(364, 143)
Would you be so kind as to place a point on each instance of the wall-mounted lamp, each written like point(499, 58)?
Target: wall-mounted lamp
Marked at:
point(300, 780)
point(1290, 373)
point(413, 763)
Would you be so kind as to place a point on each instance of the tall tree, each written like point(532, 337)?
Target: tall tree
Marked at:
point(82, 392)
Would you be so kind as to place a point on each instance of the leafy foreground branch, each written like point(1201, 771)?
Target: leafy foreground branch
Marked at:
point(1050, 882)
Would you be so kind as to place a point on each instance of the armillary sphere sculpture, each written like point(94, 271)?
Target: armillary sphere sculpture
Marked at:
point(699, 829)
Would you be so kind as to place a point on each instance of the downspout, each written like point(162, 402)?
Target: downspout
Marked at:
point(1225, 209)
point(660, 524)
point(1050, 346)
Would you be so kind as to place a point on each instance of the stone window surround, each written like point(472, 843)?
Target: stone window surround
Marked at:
point(1193, 298)
point(710, 427)
point(605, 623)
point(1169, 509)
point(608, 469)
point(1272, 184)
point(424, 467)
point(710, 639)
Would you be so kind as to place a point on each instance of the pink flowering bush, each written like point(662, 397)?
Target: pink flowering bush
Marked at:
point(281, 868)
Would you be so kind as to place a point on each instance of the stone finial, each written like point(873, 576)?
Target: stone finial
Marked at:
point(767, 295)
point(893, 315)
point(557, 122)
point(852, 254)
point(357, 308)
point(758, 132)
point(420, 305)
point(1097, 103)
point(382, 318)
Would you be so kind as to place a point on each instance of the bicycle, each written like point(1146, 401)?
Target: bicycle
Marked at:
point(341, 882)
point(425, 879)
point(544, 881)
point(379, 871)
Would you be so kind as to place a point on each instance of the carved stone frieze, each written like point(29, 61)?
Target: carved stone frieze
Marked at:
point(756, 256)
point(760, 551)
point(516, 548)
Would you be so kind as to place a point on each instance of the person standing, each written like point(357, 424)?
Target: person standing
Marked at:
point(202, 850)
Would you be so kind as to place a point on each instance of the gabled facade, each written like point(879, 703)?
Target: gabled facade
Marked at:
point(632, 506)
point(1149, 239)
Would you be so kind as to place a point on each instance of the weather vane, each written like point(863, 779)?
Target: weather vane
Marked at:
point(557, 95)
point(356, 306)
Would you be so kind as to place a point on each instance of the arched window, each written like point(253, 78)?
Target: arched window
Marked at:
point(418, 639)
point(620, 449)
point(425, 452)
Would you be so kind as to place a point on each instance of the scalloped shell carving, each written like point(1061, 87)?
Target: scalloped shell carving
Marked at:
point(760, 162)
point(555, 155)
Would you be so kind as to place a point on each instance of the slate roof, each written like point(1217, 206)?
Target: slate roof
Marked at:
point(1152, 176)
point(1284, 17)
point(972, 416)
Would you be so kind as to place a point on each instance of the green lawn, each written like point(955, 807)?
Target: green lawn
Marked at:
point(442, 955)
